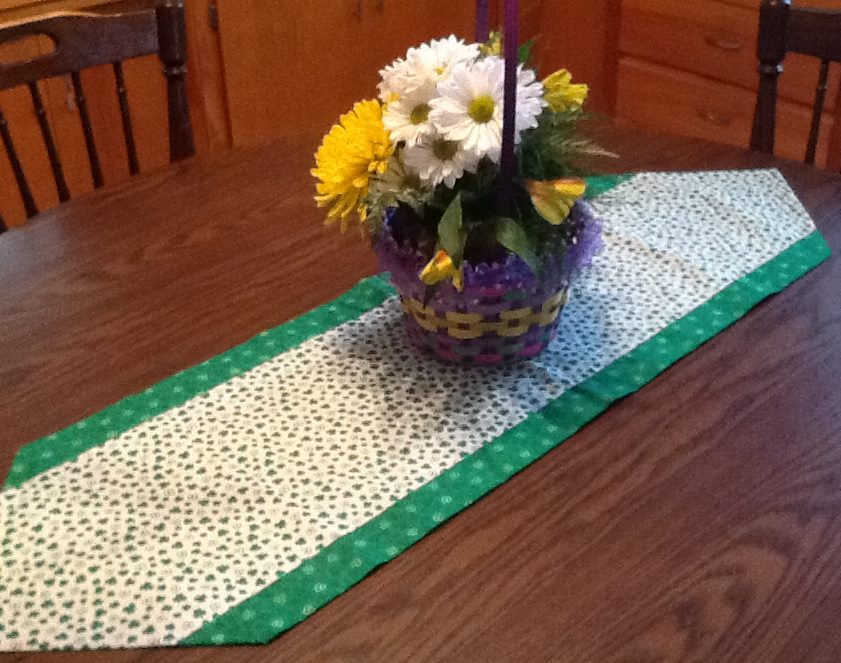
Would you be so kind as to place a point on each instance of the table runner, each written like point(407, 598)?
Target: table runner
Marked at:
point(233, 500)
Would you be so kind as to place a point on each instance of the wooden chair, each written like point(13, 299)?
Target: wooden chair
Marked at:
point(87, 40)
point(784, 29)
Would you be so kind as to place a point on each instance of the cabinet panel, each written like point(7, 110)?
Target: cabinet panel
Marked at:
point(400, 24)
point(293, 69)
point(713, 39)
point(664, 99)
point(290, 68)
point(589, 51)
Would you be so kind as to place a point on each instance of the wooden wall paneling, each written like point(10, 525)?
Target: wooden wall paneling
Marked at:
point(664, 99)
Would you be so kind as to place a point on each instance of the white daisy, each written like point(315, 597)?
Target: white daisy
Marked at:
point(423, 65)
point(407, 118)
point(392, 81)
point(469, 107)
point(433, 61)
point(397, 184)
point(437, 160)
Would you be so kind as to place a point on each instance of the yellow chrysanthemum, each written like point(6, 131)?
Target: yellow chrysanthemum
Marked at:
point(441, 267)
point(562, 94)
point(554, 199)
point(355, 149)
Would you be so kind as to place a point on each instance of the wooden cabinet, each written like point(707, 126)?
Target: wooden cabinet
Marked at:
point(579, 35)
point(690, 68)
point(291, 68)
point(674, 101)
point(263, 69)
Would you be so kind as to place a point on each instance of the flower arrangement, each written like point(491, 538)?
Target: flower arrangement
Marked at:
point(463, 172)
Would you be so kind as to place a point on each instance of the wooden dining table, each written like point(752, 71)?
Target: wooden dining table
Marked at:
point(697, 520)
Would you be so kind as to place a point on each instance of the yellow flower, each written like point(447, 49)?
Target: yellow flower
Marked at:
point(562, 94)
point(355, 149)
point(441, 267)
point(554, 199)
point(493, 45)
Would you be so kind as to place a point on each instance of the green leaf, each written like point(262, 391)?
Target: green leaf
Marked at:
point(451, 236)
point(511, 235)
point(524, 52)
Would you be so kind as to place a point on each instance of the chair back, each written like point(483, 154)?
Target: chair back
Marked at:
point(785, 29)
point(85, 40)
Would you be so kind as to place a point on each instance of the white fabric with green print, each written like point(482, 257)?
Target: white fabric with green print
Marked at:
point(263, 483)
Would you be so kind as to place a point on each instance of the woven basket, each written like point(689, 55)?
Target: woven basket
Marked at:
point(504, 314)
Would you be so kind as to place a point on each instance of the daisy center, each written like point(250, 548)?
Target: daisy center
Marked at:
point(419, 114)
point(481, 109)
point(445, 150)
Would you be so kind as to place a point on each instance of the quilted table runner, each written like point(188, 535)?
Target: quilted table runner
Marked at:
point(233, 500)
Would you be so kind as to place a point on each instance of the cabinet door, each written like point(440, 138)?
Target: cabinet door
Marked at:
point(400, 24)
point(293, 68)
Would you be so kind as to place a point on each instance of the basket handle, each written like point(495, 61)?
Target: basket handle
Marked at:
point(509, 114)
point(482, 29)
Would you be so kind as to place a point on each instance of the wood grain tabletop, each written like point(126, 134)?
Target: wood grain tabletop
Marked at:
point(697, 520)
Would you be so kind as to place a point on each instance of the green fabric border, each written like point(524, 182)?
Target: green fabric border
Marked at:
point(69, 443)
point(339, 566)
point(599, 184)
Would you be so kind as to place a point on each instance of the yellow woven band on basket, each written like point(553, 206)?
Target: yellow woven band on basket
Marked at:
point(513, 322)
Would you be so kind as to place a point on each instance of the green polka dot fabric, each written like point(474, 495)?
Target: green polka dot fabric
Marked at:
point(233, 500)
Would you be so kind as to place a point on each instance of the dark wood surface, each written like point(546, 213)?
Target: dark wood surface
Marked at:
point(697, 520)
point(787, 29)
point(80, 41)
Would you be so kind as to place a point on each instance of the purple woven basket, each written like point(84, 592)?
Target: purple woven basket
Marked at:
point(505, 313)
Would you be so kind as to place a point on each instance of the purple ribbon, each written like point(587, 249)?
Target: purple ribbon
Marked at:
point(509, 114)
point(482, 31)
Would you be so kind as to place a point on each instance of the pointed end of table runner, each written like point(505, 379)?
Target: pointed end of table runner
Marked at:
point(298, 594)
point(338, 567)
point(68, 443)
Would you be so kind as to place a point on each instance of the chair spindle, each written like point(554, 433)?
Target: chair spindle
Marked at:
point(17, 169)
point(172, 40)
point(49, 143)
point(87, 129)
point(817, 112)
point(771, 50)
point(125, 115)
